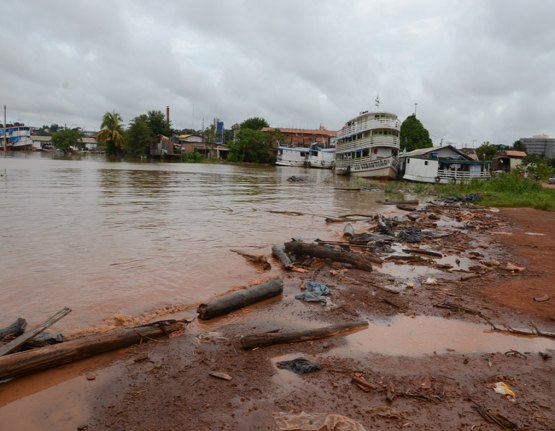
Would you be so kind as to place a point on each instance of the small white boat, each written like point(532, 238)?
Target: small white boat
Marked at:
point(313, 157)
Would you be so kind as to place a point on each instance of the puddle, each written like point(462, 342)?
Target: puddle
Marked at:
point(423, 335)
point(406, 272)
point(64, 406)
point(457, 262)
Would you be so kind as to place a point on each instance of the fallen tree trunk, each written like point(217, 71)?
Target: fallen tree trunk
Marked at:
point(240, 299)
point(278, 251)
point(257, 259)
point(315, 250)
point(30, 361)
point(269, 339)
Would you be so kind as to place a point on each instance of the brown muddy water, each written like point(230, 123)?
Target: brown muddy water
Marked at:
point(120, 239)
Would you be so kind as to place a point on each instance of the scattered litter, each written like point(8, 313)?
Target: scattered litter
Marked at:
point(494, 210)
point(545, 356)
point(361, 382)
point(514, 268)
point(220, 375)
point(410, 285)
point(315, 422)
point(410, 235)
point(387, 412)
point(542, 298)
point(90, 376)
point(503, 389)
point(314, 292)
point(431, 280)
point(534, 234)
point(299, 366)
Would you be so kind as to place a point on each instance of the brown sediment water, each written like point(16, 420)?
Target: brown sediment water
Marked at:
point(425, 335)
point(121, 241)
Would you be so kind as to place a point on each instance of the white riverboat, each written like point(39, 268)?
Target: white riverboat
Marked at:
point(368, 146)
point(17, 137)
point(310, 157)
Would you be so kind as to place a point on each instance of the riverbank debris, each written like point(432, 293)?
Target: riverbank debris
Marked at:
point(26, 336)
point(240, 299)
point(265, 339)
point(314, 292)
point(278, 251)
point(357, 261)
point(287, 421)
point(256, 259)
point(30, 361)
point(299, 365)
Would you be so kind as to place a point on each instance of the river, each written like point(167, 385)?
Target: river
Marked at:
point(116, 239)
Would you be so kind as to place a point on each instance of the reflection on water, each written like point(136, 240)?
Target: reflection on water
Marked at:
point(420, 335)
point(105, 238)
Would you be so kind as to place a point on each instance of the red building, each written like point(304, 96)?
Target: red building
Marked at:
point(305, 137)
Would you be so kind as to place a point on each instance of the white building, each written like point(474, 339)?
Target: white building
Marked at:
point(442, 165)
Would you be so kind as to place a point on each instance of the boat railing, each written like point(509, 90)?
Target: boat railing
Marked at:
point(457, 175)
point(384, 141)
point(362, 126)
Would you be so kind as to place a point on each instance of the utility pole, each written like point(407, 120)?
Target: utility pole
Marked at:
point(415, 106)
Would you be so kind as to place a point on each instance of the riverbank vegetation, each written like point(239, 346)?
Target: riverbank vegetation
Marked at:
point(510, 190)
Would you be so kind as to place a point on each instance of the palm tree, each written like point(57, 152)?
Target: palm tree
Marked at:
point(112, 133)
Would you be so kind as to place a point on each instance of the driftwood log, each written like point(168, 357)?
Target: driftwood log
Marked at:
point(278, 251)
point(271, 338)
point(240, 299)
point(30, 361)
point(300, 248)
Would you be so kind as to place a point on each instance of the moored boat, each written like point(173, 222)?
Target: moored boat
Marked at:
point(313, 157)
point(368, 146)
point(16, 137)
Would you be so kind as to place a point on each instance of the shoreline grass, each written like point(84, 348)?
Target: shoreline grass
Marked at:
point(506, 190)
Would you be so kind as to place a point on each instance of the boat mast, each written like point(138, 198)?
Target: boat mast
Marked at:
point(5, 143)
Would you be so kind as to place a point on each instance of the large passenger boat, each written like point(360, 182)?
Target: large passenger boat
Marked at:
point(368, 146)
point(17, 137)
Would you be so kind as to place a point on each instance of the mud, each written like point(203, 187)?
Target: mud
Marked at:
point(427, 367)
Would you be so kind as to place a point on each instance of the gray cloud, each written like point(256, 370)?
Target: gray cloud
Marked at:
point(479, 70)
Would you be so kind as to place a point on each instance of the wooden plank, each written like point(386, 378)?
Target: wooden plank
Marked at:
point(15, 343)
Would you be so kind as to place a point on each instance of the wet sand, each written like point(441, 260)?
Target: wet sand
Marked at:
point(428, 367)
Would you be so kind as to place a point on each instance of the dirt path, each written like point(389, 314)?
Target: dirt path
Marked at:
point(428, 357)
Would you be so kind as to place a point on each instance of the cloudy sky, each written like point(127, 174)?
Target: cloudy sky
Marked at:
point(479, 70)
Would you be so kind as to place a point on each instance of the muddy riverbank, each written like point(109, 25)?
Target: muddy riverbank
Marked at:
point(428, 361)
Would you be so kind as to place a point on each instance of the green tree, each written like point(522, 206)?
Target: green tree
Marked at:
point(254, 146)
point(139, 137)
point(519, 146)
point(487, 151)
point(414, 135)
point(112, 133)
point(254, 123)
point(156, 121)
point(66, 140)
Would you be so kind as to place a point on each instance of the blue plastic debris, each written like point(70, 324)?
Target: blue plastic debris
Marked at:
point(314, 292)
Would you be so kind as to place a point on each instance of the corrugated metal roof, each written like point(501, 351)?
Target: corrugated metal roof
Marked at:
point(513, 153)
